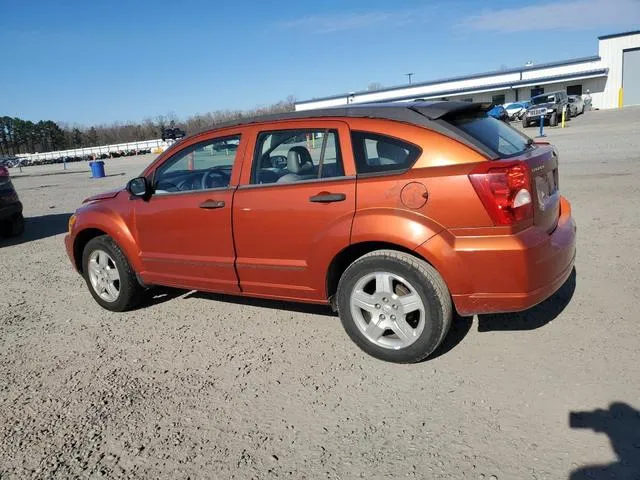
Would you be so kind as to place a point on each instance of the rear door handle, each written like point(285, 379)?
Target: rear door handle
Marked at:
point(211, 204)
point(328, 197)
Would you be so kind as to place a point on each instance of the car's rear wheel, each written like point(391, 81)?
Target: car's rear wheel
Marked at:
point(394, 306)
point(109, 276)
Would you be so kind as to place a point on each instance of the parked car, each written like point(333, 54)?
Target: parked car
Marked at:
point(499, 112)
point(401, 214)
point(576, 104)
point(515, 110)
point(11, 219)
point(548, 106)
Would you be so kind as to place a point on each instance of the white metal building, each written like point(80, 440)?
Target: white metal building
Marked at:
point(612, 78)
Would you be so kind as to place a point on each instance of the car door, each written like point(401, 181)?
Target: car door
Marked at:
point(294, 208)
point(184, 229)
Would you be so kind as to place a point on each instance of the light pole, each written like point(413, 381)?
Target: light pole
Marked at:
point(409, 75)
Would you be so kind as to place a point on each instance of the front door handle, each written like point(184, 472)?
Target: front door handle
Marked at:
point(211, 204)
point(328, 197)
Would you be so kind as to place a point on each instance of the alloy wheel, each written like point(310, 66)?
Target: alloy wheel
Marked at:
point(388, 310)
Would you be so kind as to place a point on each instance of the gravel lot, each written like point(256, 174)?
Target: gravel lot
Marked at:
point(200, 386)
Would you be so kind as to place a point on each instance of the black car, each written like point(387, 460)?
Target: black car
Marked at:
point(11, 219)
point(548, 106)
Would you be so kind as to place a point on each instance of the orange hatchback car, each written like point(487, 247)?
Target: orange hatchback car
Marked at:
point(395, 214)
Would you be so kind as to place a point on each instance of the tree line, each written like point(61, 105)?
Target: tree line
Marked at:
point(24, 136)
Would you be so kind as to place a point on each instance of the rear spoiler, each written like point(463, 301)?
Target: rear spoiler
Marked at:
point(450, 108)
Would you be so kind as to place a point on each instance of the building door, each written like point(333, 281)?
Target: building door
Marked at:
point(631, 77)
point(574, 90)
point(498, 99)
point(537, 91)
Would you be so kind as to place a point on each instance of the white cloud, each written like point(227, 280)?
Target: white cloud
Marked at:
point(351, 21)
point(558, 15)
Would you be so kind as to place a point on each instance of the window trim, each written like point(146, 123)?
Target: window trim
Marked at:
point(208, 141)
point(193, 192)
point(301, 182)
point(359, 150)
point(256, 156)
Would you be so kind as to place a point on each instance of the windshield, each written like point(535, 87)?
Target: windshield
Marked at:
point(543, 99)
point(492, 133)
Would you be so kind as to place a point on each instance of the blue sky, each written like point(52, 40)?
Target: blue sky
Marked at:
point(91, 62)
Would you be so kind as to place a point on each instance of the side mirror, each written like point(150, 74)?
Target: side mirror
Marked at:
point(140, 188)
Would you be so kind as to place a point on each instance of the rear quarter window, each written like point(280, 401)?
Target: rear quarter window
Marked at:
point(375, 153)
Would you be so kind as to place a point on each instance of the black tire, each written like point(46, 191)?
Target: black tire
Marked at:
point(525, 124)
point(12, 226)
point(131, 292)
point(427, 283)
point(553, 121)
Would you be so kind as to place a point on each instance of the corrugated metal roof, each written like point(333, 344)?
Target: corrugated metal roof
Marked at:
point(495, 86)
point(460, 78)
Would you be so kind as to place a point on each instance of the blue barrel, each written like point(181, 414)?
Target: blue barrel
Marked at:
point(97, 169)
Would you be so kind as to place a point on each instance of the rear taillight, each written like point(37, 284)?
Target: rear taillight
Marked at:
point(505, 191)
point(4, 171)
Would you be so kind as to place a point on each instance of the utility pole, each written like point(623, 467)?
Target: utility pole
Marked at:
point(409, 75)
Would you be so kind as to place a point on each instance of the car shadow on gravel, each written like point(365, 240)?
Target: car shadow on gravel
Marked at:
point(158, 295)
point(534, 317)
point(312, 309)
point(460, 326)
point(37, 228)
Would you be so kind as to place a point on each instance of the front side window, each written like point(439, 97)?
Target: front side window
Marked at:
point(201, 166)
point(375, 153)
point(287, 156)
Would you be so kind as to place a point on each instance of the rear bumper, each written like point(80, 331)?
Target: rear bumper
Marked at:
point(505, 273)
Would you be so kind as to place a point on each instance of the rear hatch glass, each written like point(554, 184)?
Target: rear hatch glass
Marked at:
point(511, 145)
point(492, 133)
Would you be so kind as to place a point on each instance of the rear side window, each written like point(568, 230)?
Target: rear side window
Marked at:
point(287, 156)
point(494, 134)
point(376, 153)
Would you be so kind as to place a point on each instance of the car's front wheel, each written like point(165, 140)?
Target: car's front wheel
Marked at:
point(109, 276)
point(394, 306)
point(13, 226)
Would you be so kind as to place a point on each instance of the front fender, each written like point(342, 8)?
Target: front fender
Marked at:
point(113, 224)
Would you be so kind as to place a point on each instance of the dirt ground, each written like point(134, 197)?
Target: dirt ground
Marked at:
point(200, 386)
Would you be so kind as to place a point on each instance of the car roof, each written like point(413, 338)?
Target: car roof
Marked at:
point(427, 114)
point(406, 111)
